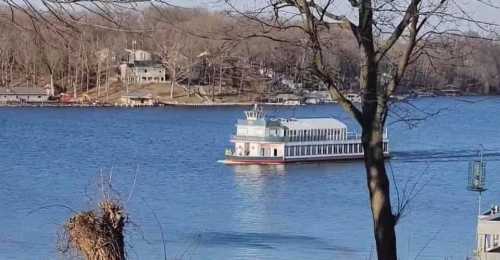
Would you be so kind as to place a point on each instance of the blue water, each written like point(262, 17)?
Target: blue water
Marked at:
point(162, 163)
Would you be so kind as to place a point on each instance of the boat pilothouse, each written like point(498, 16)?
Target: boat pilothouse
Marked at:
point(261, 140)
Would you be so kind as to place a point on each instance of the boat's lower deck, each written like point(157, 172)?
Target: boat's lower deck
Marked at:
point(281, 160)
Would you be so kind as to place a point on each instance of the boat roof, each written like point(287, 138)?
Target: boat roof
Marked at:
point(313, 123)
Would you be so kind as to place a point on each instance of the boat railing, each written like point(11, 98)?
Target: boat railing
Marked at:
point(229, 152)
point(354, 135)
point(260, 138)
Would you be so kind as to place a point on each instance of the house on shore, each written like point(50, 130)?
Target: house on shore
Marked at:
point(24, 95)
point(138, 98)
point(451, 91)
point(142, 67)
point(488, 235)
point(318, 97)
point(288, 99)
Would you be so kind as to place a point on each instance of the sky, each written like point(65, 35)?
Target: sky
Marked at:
point(484, 10)
point(479, 9)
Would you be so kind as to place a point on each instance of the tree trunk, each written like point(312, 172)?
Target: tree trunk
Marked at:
point(374, 111)
point(172, 83)
point(98, 79)
point(51, 83)
point(380, 201)
point(107, 78)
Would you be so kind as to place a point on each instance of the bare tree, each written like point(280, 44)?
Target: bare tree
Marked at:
point(390, 35)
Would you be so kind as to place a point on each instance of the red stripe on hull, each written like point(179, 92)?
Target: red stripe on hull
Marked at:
point(263, 162)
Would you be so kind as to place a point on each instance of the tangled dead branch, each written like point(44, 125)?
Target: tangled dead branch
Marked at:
point(97, 234)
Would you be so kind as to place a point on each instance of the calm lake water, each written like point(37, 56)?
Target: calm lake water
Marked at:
point(163, 164)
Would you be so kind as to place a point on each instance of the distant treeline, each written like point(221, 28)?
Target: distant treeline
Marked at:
point(81, 51)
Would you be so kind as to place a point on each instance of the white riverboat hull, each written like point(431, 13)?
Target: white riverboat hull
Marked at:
point(233, 160)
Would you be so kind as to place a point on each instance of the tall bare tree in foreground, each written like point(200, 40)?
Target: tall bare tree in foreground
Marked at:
point(390, 35)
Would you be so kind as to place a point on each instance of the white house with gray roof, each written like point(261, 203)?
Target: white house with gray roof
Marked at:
point(488, 235)
point(141, 67)
point(24, 95)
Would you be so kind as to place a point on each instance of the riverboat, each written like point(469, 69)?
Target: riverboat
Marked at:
point(261, 140)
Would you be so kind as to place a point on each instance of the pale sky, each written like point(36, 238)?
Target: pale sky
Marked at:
point(484, 10)
point(487, 11)
point(477, 9)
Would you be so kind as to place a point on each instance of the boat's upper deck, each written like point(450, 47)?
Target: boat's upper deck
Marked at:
point(312, 123)
point(258, 128)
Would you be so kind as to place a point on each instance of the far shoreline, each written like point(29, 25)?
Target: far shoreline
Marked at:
point(199, 105)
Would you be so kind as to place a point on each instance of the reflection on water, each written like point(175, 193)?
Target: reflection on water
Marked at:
point(257, 170)
point(250, 181)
